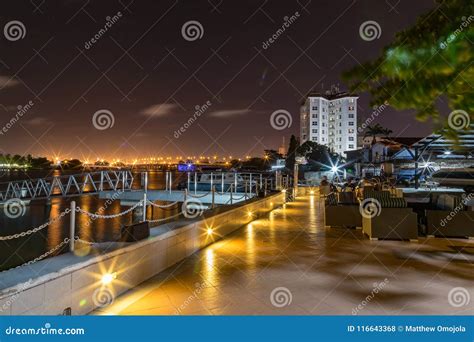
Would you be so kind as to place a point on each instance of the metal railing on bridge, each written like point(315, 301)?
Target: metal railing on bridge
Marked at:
point(67, 185)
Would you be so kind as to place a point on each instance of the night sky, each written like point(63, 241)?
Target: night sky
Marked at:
point(151, 79)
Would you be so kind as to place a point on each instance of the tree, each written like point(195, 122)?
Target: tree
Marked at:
point(429, 60)
point(377, 129)
point(235, 163)
point(290, 157)
point(71, 164)
point(255, 163)
point(319, 157)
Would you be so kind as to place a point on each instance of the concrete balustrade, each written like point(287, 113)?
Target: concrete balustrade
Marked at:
point(74, 281)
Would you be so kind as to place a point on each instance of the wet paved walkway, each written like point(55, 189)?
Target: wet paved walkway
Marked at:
point(289, 263)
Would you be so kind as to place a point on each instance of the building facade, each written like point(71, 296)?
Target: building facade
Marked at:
point(330, 119)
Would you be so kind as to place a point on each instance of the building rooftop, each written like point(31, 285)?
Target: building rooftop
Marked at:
point(332, 94)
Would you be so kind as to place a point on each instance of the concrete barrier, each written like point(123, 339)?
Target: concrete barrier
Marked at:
point(76, 284)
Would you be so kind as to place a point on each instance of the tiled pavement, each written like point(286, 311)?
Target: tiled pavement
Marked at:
point(317, 270)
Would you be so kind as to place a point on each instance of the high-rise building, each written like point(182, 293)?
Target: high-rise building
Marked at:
point(330, 119)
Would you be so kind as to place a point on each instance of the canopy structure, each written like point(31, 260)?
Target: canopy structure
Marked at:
point(439, 144)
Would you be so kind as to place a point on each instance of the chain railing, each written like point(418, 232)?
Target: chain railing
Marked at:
point(162, 206)
point(96, 216)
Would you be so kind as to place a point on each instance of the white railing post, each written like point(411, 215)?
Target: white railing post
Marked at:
point(231, 192)
point(101, 185)
point(171, 181)
point(250, 185)
point(145, 182)
point(144, 207)
point(195, 183)
point(72, 226)
point(189, 180)
point(166, 181)
point(213, 189)
point(212, 180)
point(235, 181)
point(261, 181)
point(185, 195)
point(222, 182)
point(124, 176)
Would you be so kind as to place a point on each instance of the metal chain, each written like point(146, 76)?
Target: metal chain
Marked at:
point(36, 229)
point(238, 199)
point(162, 206)
point(82, 211)
point(224, 192)
point(89, 243)
point(196, 196)
point(164, 219)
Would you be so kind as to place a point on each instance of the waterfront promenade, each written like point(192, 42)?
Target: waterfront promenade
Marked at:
point(310, 269)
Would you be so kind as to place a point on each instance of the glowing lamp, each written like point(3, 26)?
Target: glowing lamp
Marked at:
point(334, 169)
point(108, 278)
point(210, 231)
